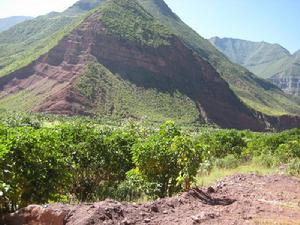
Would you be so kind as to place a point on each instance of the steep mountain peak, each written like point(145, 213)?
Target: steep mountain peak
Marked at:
point(121, 61)
point(128, 58)
point(129, 20)
point(161, 6)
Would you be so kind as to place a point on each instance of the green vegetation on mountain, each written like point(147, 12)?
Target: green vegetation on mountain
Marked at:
point(26, 42)
point(83, 6)
point(255, 92)
point(129, 20)
point(258, 57)
point(85, 161)
point(265, 60)
point(111, 95)
point(6, 23)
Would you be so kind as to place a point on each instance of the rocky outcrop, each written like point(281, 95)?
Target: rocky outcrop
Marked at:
point(38, 215)
point(289, 84)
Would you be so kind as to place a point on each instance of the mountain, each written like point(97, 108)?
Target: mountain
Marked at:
point(255, 92)
point(266, 60)
point(124, 58)
point(6, 23)
point(27, 41)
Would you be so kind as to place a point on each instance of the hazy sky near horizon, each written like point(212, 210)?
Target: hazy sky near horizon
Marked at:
point(274, 21)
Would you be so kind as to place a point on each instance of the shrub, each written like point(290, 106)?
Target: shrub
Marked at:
point(294, 167)
point(223, 142)
point(135, 187)
point(205, 168)
point(83, 161)
point(229, 162)
point(266, 160)
point(31, 167)
point(167, 158)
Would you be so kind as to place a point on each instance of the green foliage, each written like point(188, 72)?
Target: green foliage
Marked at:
point(294, 167)
point(82, 160)
point(253, 91)
point(113, 96)
point(26, 42)
point(130, 21)
point(49, 164)
point(31, 166)
point(205, 168)
point(167, 158)
point(276, 144)
point(258, 57)
point(136, 186)
point(228, 162)
point(224, 142)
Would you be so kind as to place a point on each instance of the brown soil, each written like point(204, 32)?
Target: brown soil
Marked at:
point(240, 199)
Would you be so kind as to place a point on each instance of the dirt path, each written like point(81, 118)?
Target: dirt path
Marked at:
point(239, 199)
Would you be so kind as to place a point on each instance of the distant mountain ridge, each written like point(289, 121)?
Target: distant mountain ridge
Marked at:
point(270, 61)
point(6, 23)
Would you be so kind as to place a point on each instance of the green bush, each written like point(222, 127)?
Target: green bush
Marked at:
point(167, 158)
point(223, 142)
point(31, 166)
point(273, 149)
point(266, 160)
point(294, 167)
point(80, 160)
point(135, 187)
point(229, 162)
point(205, 168)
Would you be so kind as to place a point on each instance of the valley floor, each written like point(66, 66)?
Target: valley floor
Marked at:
point(238, 199)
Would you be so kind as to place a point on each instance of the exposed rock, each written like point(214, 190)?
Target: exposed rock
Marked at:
point(289, 84)
point(38, 215)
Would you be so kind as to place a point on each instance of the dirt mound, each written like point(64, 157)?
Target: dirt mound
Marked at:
point(240, 199)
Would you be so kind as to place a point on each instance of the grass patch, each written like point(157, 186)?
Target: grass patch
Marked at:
point(218, 174)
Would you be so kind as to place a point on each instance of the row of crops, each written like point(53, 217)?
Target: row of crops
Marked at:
point(77, 161)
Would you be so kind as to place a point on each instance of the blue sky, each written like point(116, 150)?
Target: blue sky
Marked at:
point(275, 21)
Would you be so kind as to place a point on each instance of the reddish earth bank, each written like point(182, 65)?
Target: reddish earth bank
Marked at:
point(167, 68)
point(240, 199)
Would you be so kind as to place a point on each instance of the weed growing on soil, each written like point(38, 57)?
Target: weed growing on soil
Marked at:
point(294, 167)
point(217, 174)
